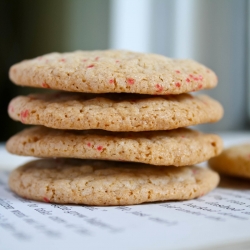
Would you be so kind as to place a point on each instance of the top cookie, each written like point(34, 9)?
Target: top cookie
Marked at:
point(113, 71)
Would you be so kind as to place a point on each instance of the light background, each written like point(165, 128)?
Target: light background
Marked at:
point(214, 32)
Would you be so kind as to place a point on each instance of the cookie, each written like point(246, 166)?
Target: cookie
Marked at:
point(174, 147)
point(113, 71)
point(233, 161)
point(232, 182)
point(108, 183)
point(113, 112)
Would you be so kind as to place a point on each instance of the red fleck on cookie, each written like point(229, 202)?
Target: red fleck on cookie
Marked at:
point(45, 85)
point(159, 88)
point(10, 108)
point(99, 148)
point(130, 81)
point(46, 200)
point(90, 66)
point(24, 114)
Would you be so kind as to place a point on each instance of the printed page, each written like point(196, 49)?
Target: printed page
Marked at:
point(220, 218)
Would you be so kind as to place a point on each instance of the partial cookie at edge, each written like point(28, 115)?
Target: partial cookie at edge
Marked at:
point(233, 161)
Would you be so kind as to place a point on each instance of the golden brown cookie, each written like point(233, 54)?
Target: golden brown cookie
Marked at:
point(178, 147)
point(108, 183)
point(114, 112)
point(113, 71)
point(234, 161)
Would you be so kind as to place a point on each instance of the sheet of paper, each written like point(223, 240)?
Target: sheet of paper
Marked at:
point(217, 218)
point(220, 218)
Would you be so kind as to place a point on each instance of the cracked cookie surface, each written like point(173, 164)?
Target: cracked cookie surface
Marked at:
point(113, 71)
point(178, 147)
point(114, 112)
point(105, 183)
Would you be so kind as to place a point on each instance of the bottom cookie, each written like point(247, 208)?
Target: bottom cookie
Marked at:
point(103, 183)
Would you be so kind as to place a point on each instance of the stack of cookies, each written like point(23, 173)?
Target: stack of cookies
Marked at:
point(114, 133)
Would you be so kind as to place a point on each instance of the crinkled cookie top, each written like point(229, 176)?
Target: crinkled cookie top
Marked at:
point(113, 71)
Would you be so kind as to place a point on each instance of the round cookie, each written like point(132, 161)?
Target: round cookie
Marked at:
point(113, 112)
point(110, 71)
point(233, 161)
point(103, 183)
point(178, 147)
